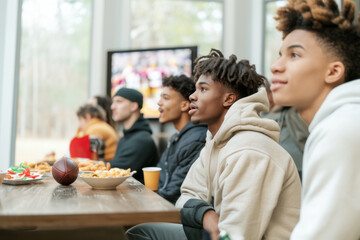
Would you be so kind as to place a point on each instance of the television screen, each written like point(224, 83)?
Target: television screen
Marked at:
point(144, 69)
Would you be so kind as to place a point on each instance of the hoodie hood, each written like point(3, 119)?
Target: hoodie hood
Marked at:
point(244, 115)
point(141, 124)
point(346, 93)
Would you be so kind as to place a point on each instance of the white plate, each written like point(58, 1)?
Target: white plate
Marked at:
point(46, 174)
point(106, 183)
point(20, 181)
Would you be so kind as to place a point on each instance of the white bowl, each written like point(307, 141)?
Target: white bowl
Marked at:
point(105, 183)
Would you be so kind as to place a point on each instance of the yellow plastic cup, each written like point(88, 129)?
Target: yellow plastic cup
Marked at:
point(151, 177)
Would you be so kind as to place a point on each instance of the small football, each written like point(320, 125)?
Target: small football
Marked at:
point(65, 171)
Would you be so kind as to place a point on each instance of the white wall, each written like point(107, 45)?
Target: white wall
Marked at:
point(111, 31)
point(243, 22)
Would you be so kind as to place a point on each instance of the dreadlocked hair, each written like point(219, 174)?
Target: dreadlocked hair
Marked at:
point(238, 76)
point(333, 29)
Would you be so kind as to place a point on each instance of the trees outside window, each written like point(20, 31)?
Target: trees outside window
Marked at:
point(168, 23)
point(54, 75)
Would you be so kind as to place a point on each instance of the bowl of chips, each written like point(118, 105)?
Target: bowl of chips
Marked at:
point(106, 179)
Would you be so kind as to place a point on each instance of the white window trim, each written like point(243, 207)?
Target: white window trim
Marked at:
point(110, 31)
point(9, 80)
point(243, 30)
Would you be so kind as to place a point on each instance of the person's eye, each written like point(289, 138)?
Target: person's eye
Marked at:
point(202, 89)
point(295, 55)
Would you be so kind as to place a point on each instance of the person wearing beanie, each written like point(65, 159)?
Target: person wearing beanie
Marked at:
point(136, 149)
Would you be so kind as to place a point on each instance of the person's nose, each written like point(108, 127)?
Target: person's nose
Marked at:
point(193, 97)
point(160, 102)
point(277, 66)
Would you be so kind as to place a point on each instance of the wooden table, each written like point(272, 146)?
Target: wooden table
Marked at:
point(46, 204)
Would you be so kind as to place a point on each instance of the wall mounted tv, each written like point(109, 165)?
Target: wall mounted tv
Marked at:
point(143, 69)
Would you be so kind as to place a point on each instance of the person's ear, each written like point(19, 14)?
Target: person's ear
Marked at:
point(134, 106)
point(229, 99)
point(335, 73)
point(184, 106)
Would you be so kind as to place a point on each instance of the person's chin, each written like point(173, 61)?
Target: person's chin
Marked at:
point(162, 120)
point(281, 100)
point(195, 120)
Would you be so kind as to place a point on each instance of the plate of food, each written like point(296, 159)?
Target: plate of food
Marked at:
point(21, 175)
point(42, 168)
point(21, 181)
point(106, 179)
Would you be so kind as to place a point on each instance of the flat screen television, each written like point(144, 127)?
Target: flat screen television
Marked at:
point(143, 69)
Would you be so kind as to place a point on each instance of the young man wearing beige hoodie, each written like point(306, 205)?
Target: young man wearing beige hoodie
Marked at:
point(243, 182)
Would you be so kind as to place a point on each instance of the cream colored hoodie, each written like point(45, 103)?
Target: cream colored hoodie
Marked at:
point(252, 179)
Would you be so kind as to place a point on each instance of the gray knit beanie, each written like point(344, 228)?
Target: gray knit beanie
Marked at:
point(131, 94)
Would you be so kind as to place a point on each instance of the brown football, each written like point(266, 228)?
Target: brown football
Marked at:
point(65, 171)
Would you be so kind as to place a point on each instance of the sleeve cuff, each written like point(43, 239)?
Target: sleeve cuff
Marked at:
point(193, 211)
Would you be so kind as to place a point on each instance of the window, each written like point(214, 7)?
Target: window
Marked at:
point(273, 38)
point(53, 82)
point(177, 23)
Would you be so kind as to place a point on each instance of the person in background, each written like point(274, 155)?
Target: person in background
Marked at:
point(184, 147)
point(104, 102)
point(318, 72)
point(293, 129)
point(243, 182)
point(92, 123)
point(136, 149)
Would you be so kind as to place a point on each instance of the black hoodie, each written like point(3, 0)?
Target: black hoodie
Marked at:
point(136, 149)
point(182, 150)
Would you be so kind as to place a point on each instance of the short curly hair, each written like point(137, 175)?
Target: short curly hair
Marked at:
point(238, 76)
point(333, 29)
point(182, 84)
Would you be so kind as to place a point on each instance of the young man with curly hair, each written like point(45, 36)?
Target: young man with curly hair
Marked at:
point(318, 72)
point(185, 145)
point(243, 182)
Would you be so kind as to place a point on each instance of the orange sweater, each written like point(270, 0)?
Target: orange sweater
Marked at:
point(103, 130)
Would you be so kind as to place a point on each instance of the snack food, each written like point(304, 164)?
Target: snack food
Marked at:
point(112, 173)
point(93, 165)
point(22, 172)
point(40, 167)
